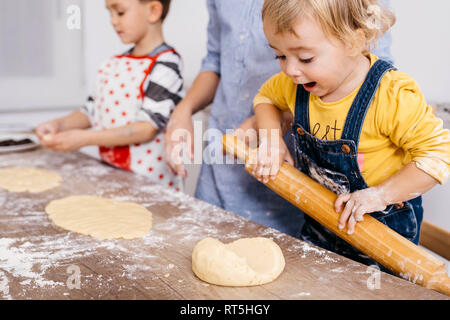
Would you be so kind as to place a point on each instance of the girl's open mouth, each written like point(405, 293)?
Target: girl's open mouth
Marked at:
point(310, 85)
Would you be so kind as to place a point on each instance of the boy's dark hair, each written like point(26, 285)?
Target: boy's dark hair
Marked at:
point(166, 6)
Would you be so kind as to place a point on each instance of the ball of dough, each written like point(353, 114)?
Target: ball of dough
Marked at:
point(100, 218)
point(244, 262)
point(47, 137)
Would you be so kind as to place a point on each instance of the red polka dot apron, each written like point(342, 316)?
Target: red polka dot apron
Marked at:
point(120, 92)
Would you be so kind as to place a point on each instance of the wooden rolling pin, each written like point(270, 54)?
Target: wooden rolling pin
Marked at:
point(371, 237)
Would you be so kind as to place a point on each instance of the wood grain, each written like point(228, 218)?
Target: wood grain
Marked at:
point(35, 254)
point(435, 239)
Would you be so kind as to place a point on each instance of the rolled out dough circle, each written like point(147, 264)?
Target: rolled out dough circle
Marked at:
point(244, 262)
point(100, 218)
point(25, 179)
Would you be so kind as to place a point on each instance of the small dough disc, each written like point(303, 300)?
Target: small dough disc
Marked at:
point(244, 262)
point(100, 218)
point(35, 180)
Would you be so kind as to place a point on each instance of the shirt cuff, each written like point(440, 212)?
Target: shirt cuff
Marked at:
point(436, 168)
point(260, 100)
point(84, 110)
point(87, 112)
point(211, 63)
point(145, 117)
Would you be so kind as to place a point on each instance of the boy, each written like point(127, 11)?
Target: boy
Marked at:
point(133, 97)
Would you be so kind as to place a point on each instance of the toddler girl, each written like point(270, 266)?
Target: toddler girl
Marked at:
point(362, 128)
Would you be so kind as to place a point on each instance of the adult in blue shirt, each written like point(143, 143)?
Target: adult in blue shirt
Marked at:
point(238, 62)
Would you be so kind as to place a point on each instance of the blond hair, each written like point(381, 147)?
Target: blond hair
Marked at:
point(339, 18)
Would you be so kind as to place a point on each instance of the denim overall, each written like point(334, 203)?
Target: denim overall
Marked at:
point(334, 165)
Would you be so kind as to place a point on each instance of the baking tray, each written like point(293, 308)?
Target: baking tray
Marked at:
point(17, 137)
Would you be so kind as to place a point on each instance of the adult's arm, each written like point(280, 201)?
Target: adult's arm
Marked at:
point(200, 95)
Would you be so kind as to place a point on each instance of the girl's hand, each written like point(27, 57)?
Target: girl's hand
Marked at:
point(357, 204)
point(68, 141)
point(269, 158)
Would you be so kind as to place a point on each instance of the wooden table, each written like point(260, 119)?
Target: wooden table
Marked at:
point(41, 261)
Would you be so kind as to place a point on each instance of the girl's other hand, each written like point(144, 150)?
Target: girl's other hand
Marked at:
point(357, 204)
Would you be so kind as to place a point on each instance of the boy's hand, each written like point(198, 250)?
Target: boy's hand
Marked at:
point(67, 141)
point(357, 204)
point(269, 158)
point(47, 129)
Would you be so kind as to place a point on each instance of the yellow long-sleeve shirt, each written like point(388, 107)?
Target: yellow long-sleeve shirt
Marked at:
point(399, 127)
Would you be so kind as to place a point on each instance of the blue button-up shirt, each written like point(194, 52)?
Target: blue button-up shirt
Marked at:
point(239, 52)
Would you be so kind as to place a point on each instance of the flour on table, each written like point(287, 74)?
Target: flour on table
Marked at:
point(4, 286)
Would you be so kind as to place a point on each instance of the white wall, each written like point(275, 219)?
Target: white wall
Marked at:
point(421, 44)
point(421, 48)
point(41, 57)
point(185, 29)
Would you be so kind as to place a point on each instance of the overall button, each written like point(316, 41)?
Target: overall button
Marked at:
point(346, 149)
point(399, 205)
point(300, 131)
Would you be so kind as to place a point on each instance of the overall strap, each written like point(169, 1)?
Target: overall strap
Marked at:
point(301, 116)
point(363, 100)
